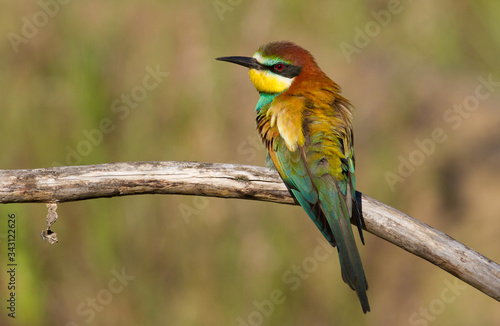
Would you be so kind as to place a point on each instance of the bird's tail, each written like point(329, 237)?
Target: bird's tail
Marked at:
point(352, 269)
point(350, 261)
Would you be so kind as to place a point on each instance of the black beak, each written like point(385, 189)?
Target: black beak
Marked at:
point(242, 61)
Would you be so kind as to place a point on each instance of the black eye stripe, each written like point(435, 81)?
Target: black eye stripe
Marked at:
point(288, 70)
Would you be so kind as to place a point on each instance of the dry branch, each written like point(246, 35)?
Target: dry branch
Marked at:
point(62, 184)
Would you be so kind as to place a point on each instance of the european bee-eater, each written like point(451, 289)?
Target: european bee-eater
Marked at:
point(306, 126)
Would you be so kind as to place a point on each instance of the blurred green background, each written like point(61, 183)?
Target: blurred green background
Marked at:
point(65, 68)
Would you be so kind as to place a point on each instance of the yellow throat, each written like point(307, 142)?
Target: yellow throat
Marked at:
point(267, 82)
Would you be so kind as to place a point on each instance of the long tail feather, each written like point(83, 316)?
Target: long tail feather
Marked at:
point(350, 261)
point(353, 274)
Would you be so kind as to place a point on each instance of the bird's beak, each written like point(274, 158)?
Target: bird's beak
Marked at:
point(242, 61)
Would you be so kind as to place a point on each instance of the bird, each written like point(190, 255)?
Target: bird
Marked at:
point(306, 125)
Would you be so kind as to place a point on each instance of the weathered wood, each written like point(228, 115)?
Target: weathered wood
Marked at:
point(71, 183)
point(62, 184)
point(438, 248)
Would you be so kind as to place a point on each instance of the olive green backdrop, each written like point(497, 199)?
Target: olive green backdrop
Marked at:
point(75, 90)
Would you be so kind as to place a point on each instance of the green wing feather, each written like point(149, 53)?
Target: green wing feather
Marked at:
point(320, 175)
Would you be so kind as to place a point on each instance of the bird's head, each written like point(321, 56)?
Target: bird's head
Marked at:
point(274, 67)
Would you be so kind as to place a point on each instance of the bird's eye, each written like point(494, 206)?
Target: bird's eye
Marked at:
point(279, 67)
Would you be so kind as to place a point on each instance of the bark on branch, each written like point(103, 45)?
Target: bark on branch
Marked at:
point(71, 183)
